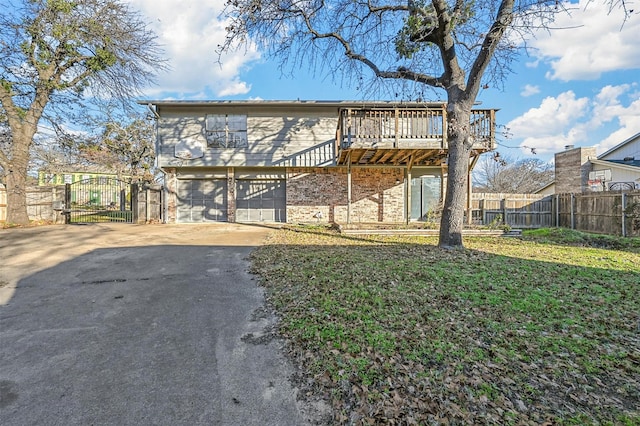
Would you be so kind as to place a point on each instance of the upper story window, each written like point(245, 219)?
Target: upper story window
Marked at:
point(226, 131)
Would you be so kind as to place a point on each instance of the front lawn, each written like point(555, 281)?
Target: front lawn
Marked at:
point(506, 331)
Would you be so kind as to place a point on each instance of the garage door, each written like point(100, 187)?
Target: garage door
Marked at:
point(261, 200)
point(202, 200)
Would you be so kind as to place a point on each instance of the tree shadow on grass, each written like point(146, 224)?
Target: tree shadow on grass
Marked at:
point(410, 332)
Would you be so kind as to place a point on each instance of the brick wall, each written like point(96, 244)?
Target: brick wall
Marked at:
point(320, 195)
point(171, 182)
point(377, 195)
point(231, 195)
point(572, 168)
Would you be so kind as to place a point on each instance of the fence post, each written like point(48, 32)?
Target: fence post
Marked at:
point(135, 207)
point(557, 206)
point(67, 203)
point(504, 210)
point(147, 205)
point(624, 216)
point(573, 217)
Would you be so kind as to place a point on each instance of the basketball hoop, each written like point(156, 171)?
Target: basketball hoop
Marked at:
point(595, 184)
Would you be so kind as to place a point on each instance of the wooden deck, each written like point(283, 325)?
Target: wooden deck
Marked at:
point(404, 136)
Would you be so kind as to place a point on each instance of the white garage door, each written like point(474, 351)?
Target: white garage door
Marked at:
point(261, 200)
point(202, 200)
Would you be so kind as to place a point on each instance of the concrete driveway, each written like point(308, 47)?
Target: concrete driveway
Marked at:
point(130, 324)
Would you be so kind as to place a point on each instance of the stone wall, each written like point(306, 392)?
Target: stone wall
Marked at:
point(44, 203)
point(171, 183)
point(572, 168)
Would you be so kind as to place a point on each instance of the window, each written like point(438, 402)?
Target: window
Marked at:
point(226, 131)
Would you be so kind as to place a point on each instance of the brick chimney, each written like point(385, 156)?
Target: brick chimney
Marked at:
point(572, 169)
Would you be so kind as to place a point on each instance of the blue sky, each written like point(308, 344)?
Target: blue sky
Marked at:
point(575, 87)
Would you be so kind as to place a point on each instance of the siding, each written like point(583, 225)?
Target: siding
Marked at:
point(619, 174)
point(276, 137)
point(631, 149)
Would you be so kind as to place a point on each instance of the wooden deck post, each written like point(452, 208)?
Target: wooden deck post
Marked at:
point(407, 186)
point(474, 160)
point(349, 191)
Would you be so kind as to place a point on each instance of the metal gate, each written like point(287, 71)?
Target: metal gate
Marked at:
point(99, 199)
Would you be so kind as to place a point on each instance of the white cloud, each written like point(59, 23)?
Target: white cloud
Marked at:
point(567, 120)
point(629, 122)
point(190, 32)
point(553, 115)
point(530, 90)
point(588, 42)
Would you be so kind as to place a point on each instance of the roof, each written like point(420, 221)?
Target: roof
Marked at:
point(299, 103)
point(305, 103)
point(634, 163)
point(621, 164)
point(542, 188)
point(620, 145)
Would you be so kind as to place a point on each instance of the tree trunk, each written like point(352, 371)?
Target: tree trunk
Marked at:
point(459, 143)
point(16, 174)
point(16, 190)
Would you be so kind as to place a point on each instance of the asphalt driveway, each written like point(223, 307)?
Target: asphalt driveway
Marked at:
point(131, 324)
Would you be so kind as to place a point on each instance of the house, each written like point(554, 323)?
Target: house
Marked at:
point(548, 189)
point(617, 168)
point(306, 161)
point(90, 187)
point(580, 170)
point(46, 178)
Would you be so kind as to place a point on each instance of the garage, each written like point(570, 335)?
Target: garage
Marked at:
point(201, 200)
point(261, 200)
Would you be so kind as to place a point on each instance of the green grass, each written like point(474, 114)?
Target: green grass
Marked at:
point(506, 331)
point(102, 216)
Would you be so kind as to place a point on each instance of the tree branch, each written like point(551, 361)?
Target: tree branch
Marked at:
point(7, 103)
point(402, 73)
point(489, 45)
point(453, 73)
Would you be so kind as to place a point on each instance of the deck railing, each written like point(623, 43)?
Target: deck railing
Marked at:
point(408, 128)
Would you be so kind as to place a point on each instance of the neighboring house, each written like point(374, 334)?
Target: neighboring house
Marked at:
point(580, 170)
point(61, 178)
point(88, 188)
point(618, 168)
point(306, 161)
point(548, 189)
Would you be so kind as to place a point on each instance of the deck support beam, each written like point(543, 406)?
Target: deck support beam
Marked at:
point(474, 161)
point(408, 189)
point(349, 188)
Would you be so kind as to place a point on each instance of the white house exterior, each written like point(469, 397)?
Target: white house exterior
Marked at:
point(618, 168)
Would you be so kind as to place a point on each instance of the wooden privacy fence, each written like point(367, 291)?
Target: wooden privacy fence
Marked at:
point(515, 210)
point(612, 212)
point(47, 203)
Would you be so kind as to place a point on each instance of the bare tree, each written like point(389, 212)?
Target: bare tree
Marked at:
point(497, 174)
point(124, 149)
point(52, 54)
point(452, 46)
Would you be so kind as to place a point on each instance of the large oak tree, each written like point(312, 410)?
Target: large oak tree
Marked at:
point(453, 46)
point(54, 54)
